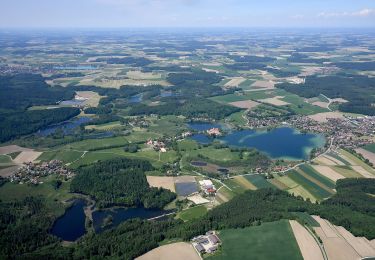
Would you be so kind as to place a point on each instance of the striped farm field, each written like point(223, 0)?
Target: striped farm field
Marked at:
point(314, 187)
point(244, 182)
point(235, 186)
point(347, 172)
point(278, 184)
point(314, 174)
point(259, 181)
point(339, 158)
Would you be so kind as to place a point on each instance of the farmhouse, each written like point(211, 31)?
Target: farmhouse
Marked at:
point(207, 243)
point(207, 187)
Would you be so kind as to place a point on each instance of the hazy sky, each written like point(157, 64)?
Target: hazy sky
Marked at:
point(187, 13)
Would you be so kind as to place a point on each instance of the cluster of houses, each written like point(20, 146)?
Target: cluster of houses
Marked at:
point(32, 172)
point(157, 145)
point(207, 187)
point(207, 243)
point(214, 131)
point(345, 132)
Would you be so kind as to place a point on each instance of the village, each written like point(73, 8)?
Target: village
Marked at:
point(346, 132)
point(32, 172)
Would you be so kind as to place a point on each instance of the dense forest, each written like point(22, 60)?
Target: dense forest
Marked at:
point(191, 108)
point(196, 83)
point(15, 124)
point(358, 90)
point(24, 227)
point(120, 182)
point(18, 92)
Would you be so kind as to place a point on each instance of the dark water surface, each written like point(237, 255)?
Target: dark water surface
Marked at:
point(119, 215)
point(67, 127)
point(71, 225)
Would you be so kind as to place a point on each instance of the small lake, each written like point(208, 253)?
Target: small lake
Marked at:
point(279, 143)
point(100, 135)
point(136, 98)
point(71, 225)
point(67, 127)
point(109, 218)
point(72, 102)
point(78, 67)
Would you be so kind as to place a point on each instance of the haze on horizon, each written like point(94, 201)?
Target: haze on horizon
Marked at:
point(186, 13)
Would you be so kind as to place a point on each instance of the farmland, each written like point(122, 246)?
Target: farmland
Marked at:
point(273, 240)
point(247, 111)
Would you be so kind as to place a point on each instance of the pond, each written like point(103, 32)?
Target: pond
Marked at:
point(71, 225)
point(72, 102)
point(136, 98)
point(279, 143)
point(67, 126)
point(78, 67)
point(109, 218)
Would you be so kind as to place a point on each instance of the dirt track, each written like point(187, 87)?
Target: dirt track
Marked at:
point(161, 182)
point(307, 244)
point(173, 251)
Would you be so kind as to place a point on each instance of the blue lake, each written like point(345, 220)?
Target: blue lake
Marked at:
point(67, 127)
point(79, 67)
point(119, 215)
point(71, 225)
point(278, 143)
point(136, 98)
point(202, 126)
point(72, 102)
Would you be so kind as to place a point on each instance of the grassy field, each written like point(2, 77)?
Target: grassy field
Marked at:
point(259, 181)
point(274, 240)
point(370, 147)
point(237, 119)
point(297, 103)
point(235, 186)
point(5, 159)
point(107, 126)
point(307, 219)
point(11, 192)
point(106, 154)
point(67, 156)
point(192, 213)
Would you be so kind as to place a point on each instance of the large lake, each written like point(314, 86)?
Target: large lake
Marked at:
point(279, 143)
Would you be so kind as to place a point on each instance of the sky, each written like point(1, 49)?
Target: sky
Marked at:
point(186, 13)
